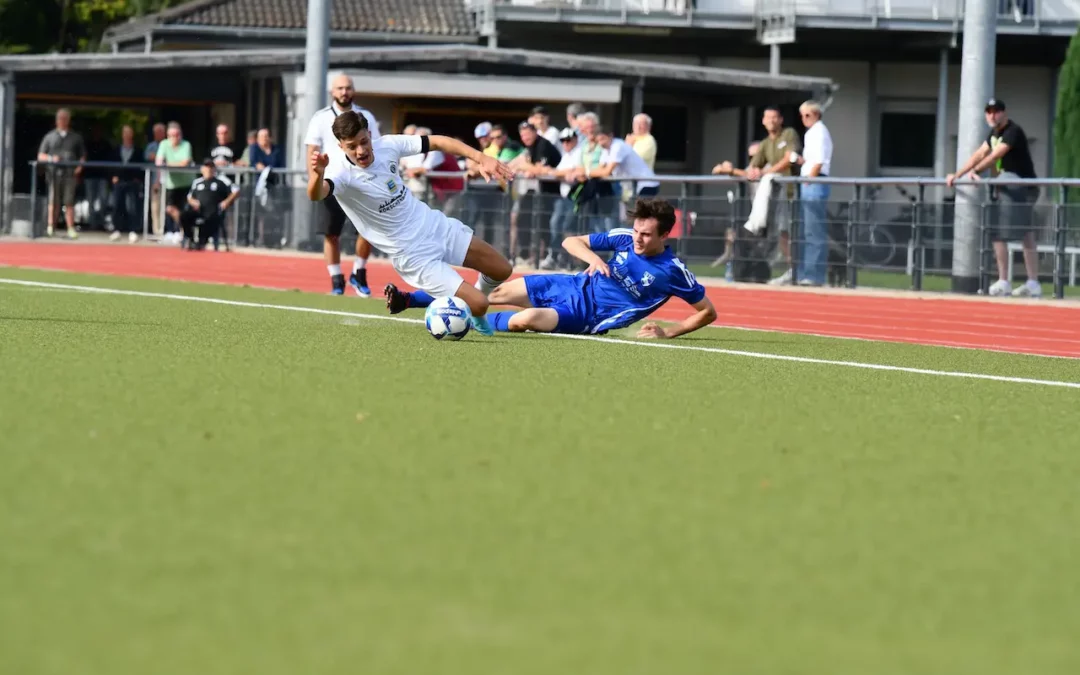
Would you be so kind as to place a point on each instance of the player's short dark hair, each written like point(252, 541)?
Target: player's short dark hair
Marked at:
point(348, 124)
point(774, 109)
point(660, 209)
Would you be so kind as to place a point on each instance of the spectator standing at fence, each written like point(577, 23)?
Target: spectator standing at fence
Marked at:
point(774, 156)
point(96, 179)
point(573, 112)
point(331, 219)
point(541, 121)
point(445, 190)
point(62, 144)
point(619, 160)
point(642, 140)
point(245, 156)
point(415, 183)
point(150, 157)
point(816, 161)
point(562, 214)
point(175, 152)
point(223, 154)
point(596, 196)
point(127, 187)
point(537, 197)
point(1006, 153)
point(265, 157)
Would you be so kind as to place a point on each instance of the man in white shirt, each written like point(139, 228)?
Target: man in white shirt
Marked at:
point(618, 160)
point(540, 119)
point(816, 161)
point(562, 214)
point(423, 244)
point(320, 138)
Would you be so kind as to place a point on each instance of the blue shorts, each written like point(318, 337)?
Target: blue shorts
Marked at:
point(562, 293)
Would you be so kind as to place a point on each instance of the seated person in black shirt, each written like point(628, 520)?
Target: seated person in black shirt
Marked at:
point(208, 199)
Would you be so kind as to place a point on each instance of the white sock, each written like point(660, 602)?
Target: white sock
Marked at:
point(486, 284)
point(334, 270)
point(359, 264)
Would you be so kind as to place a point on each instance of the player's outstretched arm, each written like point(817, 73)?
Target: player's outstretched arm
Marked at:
point(579, 248)
point(317, 188)
point(488, 167)
point(705, 315)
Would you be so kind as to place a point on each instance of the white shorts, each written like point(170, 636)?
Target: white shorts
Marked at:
point(429, 263)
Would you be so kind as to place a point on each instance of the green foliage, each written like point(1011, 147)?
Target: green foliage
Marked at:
point(1067, 119)
point(38, 26)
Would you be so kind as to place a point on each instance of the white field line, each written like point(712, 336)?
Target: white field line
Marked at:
point(590, 338)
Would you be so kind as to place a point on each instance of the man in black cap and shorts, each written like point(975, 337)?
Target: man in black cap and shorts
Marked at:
point(1007, 154)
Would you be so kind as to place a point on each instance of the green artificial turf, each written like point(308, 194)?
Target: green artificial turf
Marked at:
point(201, 488)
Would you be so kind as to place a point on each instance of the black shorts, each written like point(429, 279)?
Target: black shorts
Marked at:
point(331, 218)
point(1012, 216)
point(177, 197)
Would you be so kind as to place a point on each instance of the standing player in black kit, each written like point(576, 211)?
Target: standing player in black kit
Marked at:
point(210, 195)
point(320, 138)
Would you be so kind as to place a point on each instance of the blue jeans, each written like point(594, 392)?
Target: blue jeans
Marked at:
point(815, 243)
point(127, 204)
point(561, 222)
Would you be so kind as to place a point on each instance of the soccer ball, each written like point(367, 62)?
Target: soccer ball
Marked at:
point(448, 318)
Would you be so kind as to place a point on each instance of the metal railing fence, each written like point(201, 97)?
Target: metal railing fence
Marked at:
point(895, 232)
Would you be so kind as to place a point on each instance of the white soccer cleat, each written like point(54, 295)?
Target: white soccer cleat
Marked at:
point(1000, 288)
point(1030, 289)
point(133, 238)
point(115, 236)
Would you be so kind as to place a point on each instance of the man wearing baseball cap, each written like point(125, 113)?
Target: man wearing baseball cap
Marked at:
point(1007, 154)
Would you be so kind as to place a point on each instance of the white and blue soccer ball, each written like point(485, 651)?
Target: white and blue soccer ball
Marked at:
point(448, 318)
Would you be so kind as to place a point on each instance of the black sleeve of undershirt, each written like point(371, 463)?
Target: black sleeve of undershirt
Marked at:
point(331, 184)
point(425, 145)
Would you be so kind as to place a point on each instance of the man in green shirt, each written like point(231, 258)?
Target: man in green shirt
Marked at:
point(175, 151)
point(774, 155)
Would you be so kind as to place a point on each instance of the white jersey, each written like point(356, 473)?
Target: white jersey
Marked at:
point(376, 199)
point(628, 164)
point(320, 130)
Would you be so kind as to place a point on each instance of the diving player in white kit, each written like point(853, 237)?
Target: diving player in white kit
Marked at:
point(423, 244)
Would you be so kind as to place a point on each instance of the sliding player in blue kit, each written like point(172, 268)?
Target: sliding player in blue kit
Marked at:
point(639, 278)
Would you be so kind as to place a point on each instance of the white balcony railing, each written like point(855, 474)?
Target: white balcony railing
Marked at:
point(1012, 11)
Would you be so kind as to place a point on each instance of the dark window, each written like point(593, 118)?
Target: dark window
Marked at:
point(907, 140)
point(669, 127)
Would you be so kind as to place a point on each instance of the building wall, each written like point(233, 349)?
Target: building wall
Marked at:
point(1028, 92)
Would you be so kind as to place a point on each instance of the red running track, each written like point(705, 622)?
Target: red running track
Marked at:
point(1047, 328)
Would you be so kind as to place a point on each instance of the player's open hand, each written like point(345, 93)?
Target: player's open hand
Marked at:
point(598, 267)
point(652, 331)
point(319, 161)
point(489, 168)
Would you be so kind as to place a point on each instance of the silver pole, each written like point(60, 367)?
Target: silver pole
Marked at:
point(976, 87)
point(316, 58)
point(147, 187)
point(941, 146)
point(774, 59)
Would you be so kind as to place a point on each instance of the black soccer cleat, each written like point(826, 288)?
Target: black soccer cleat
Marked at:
point(396, 301)
point(337, 284)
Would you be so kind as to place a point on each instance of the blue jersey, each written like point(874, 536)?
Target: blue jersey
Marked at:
point(638, 285)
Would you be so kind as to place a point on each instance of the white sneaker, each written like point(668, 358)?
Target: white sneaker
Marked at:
point(1031, 289)
point(548, 263)
point(782, 280)
point(807, 282)
point(49, 231)
point(115, 236)
point(1000, 287)
point(133, 238)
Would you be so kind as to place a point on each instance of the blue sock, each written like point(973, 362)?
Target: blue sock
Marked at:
point(420, 299)
point(500, 321)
